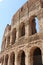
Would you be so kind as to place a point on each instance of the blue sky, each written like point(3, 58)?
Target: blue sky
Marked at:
point(7, 10)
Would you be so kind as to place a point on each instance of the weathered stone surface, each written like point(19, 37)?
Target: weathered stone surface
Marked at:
point(20, 39)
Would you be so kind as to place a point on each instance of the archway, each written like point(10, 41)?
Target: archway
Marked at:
point(6, 59)
point(13, 35)
point(33, 25)
point(21, 58)
point(12, 59)
point(22, 29)
point(2, 60)
point(37, 59)
point(35, 56)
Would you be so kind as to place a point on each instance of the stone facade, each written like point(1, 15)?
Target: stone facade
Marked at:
point(21, 44)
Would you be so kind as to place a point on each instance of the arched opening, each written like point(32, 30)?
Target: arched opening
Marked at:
point(13, 35)
point(21, 58)
point(22, 29)
point(6, 59)
point(34, 27)
point(2, 60)
point(12, 59)
point(5, 42)
point(8, 41)
point(37, 58)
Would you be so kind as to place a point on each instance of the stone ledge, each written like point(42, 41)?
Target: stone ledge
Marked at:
point(24, 40)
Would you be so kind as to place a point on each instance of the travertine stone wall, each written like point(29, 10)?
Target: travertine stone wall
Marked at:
point(18, 36)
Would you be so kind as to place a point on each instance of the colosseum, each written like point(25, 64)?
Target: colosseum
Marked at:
point(21, 43)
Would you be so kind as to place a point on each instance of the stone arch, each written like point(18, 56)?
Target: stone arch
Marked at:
point(2, 60)
point(13, 35)
point(36, 56)
point(33, 24)
point(21, 58)
point(5, 41)
point(6, 59)
point(3, 44)
point(12, 59)
point(22, 29)
point(8, 40)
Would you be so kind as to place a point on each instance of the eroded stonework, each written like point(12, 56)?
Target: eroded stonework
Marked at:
point(21, 44)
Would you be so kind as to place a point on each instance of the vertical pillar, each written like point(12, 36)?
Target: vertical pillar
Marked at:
point(11, 41)
point(27, 30)
point(9, 60)
point(1, 63)
point(41, 25)
point(16, 62)
point(42, 59)
point(6, 41)
point(17, 35)
point(42, 56)
point(40, 18)
point(27, 59)
point(4, 61)
point(17, 31)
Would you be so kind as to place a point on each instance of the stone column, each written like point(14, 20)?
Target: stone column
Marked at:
point(27, 59)
point(40, 20)
point(42, 59)
point(11, 39)
point(17, 31)
point(16, 62)
point(4, 61)
point(6, 41)
point(1, 63)
point(17, 35)
point(42, 56)
point(9, 60)
point(27, 30)
point(41, 25)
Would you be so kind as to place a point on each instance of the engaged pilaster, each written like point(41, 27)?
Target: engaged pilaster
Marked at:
point(27, 59)
point(27, 29)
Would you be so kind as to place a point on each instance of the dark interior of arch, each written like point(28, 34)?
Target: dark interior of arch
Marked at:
point(2, 60)
point(14, 35)
point(12, 60)
point(6, 60)
point(33, 26)
point(37, 58)
point(22, 29)
point(22, 58)
point(37, 52)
